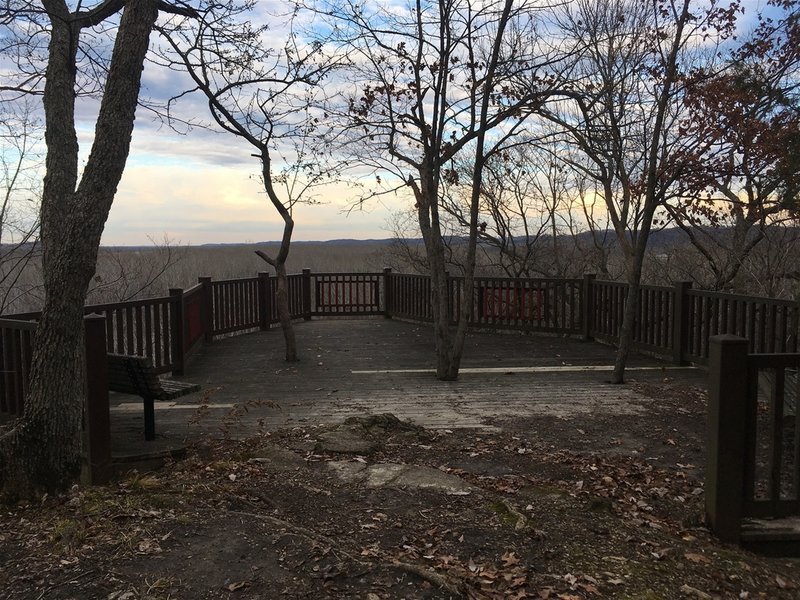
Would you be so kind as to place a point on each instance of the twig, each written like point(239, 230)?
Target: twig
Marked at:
point(441, 581)
point(522, 520)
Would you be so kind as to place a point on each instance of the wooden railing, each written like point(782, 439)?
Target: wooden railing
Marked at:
point(754, 440)
point(676, 322)
point(16, 347)
point(347, 294)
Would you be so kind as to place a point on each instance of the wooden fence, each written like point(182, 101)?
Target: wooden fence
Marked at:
point(753, 469)
point(677, 322)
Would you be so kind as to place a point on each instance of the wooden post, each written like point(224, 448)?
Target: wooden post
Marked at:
point(387, 292)
point(587, 306)
point(98, 420)
point(680, 321)
point(177, 326)
point(208, 309)
point(307, 294)
point(727, 409)
point(264, 301)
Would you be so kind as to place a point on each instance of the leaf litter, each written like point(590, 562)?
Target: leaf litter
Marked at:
point(546, 521)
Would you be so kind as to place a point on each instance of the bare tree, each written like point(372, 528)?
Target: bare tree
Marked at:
point(627, 87)
point(266, 97)
point(20, 186)
point(432, 83)
point(124, 274)
point(531, 223)
point(42, 452)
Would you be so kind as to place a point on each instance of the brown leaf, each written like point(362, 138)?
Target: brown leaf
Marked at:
point(697, 558)
point(510, 559)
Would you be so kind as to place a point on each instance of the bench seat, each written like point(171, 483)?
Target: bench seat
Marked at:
point(136, 375)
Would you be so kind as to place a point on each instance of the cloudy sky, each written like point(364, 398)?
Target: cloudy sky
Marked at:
point(202, 187)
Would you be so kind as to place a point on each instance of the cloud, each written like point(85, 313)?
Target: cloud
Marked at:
point(195, 204)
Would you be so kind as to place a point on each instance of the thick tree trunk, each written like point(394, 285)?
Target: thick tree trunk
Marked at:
point(427, 214)
point(441, 308)
point(284, 316)
point(42, 453)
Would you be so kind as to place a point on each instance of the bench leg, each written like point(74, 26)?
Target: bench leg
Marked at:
point(149, 420)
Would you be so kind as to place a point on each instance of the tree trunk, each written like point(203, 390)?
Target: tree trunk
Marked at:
point(284, 316)
point(43, 452)
point(441, 311)
point(629, 315)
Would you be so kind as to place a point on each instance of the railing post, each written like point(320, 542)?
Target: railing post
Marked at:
point(680, 321)
point(727, 411)
point(176, 335)
point(98, 420)
point(587, 306)
point(264, 301)
point(387, 292)
point(208, 309)
point(307, 294)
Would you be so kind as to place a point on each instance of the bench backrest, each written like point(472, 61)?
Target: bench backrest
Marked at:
point(133, 375)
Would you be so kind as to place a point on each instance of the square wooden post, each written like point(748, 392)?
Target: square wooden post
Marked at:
point(680, 321)
point(264, 301)
point(208, 309)
point(307, 294)
point(387, 292)
point(177, 329)
point(727, 411)
point(98, 418)
point(587, 306)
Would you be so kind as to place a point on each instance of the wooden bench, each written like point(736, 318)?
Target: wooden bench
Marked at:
point(136, 375)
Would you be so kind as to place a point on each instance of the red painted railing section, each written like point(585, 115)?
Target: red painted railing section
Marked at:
point(551, 305)
point(194, 307)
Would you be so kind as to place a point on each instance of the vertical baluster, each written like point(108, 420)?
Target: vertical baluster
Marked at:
point(166, 336)
point(157, 334)
point(776, 439)
point(108, 314)
point(119, 323)
point(148, 330)
point(129, 330)
point(139, 318)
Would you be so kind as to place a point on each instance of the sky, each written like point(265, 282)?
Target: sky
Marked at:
point(201, 187)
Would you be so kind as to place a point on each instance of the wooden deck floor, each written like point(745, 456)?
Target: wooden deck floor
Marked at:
point(359, 366)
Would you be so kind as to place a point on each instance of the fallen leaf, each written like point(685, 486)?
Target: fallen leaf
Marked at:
point(697, 558)
point(693, 592)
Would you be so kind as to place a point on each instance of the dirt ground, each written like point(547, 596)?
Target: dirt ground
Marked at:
point(606, 507)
